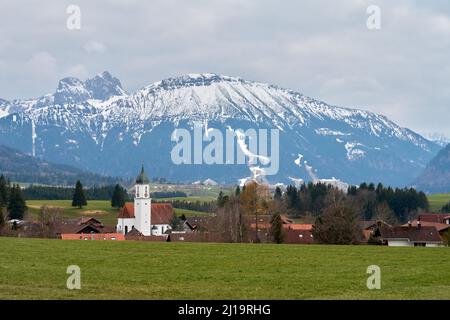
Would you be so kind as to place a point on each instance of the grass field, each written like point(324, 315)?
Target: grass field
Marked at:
point(437, 201)
point(36, 269)
point(96, 208)
point(190, 199)
point(99, 209)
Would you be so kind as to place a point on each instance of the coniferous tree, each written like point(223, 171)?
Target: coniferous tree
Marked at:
point(278, 194)
point(2, 219)
point(118, 197)
point(176, 223)
point(79, 198)
point(237, 192)
point(3, 192)
point(221, 199)
point(16, 205)
point(446, 208)
point(276, 229)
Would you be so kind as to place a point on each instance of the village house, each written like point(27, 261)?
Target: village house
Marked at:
point(296, 233)
point(85, 225)
point(87, 229)
point(410, 236)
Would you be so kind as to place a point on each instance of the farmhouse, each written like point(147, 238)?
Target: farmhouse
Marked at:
point(83, 226)
point(298, 233)
point(150, 219)
point(409, 236)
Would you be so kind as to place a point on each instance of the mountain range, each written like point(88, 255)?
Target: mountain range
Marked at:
point(97, 126)
point(436, 176)
point(20, 167)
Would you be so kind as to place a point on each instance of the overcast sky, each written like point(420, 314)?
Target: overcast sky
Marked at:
point(321, 48)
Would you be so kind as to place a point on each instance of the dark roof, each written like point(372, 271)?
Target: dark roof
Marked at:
point(134, 232)
point(89, 220)
point(433, 217)
point(416, 234)
point(372, 224)
point(142, 177)
point(439, 226)
point(292, 236)
point(76, 228)
point(84, 225)
point(162, 213)
point(200, 222)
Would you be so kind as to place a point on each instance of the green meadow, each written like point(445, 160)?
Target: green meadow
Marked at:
point(96, 208)
point(36, 269)
point(437, 201)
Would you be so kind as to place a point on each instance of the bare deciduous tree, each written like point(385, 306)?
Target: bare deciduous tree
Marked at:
point(49, 218)
point(230, 222)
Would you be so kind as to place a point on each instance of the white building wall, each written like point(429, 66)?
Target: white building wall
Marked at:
point(122, 223)
point(159, 229)
point(142, 209)
point(399, 243)
point(433, 245)
point(406, 243)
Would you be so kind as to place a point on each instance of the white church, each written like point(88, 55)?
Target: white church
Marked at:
point(149, 219)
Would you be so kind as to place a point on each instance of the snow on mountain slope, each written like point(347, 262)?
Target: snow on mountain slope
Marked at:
point(4, 108)
point(98, 117)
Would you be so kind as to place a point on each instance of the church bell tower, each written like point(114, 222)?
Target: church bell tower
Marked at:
point(142, 204)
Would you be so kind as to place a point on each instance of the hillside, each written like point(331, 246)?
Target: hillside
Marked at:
point(19, 167)
point(436, 176)
point(96, 125)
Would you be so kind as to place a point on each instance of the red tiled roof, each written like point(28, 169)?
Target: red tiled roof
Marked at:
point(261, 226)
point(292, 236)
point(162, 213)
point(93, 236)
point(127, 211)
point(291, 226)
point(299, 226)
point(433, 217)
point(439, 226)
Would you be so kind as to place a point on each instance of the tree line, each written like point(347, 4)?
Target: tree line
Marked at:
point(36, 192)
point(201, 206)
point(398, 204)
point(336, 215)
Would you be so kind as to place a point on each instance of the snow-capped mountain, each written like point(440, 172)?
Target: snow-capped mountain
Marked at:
point(97, 126)
point(438, 138)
